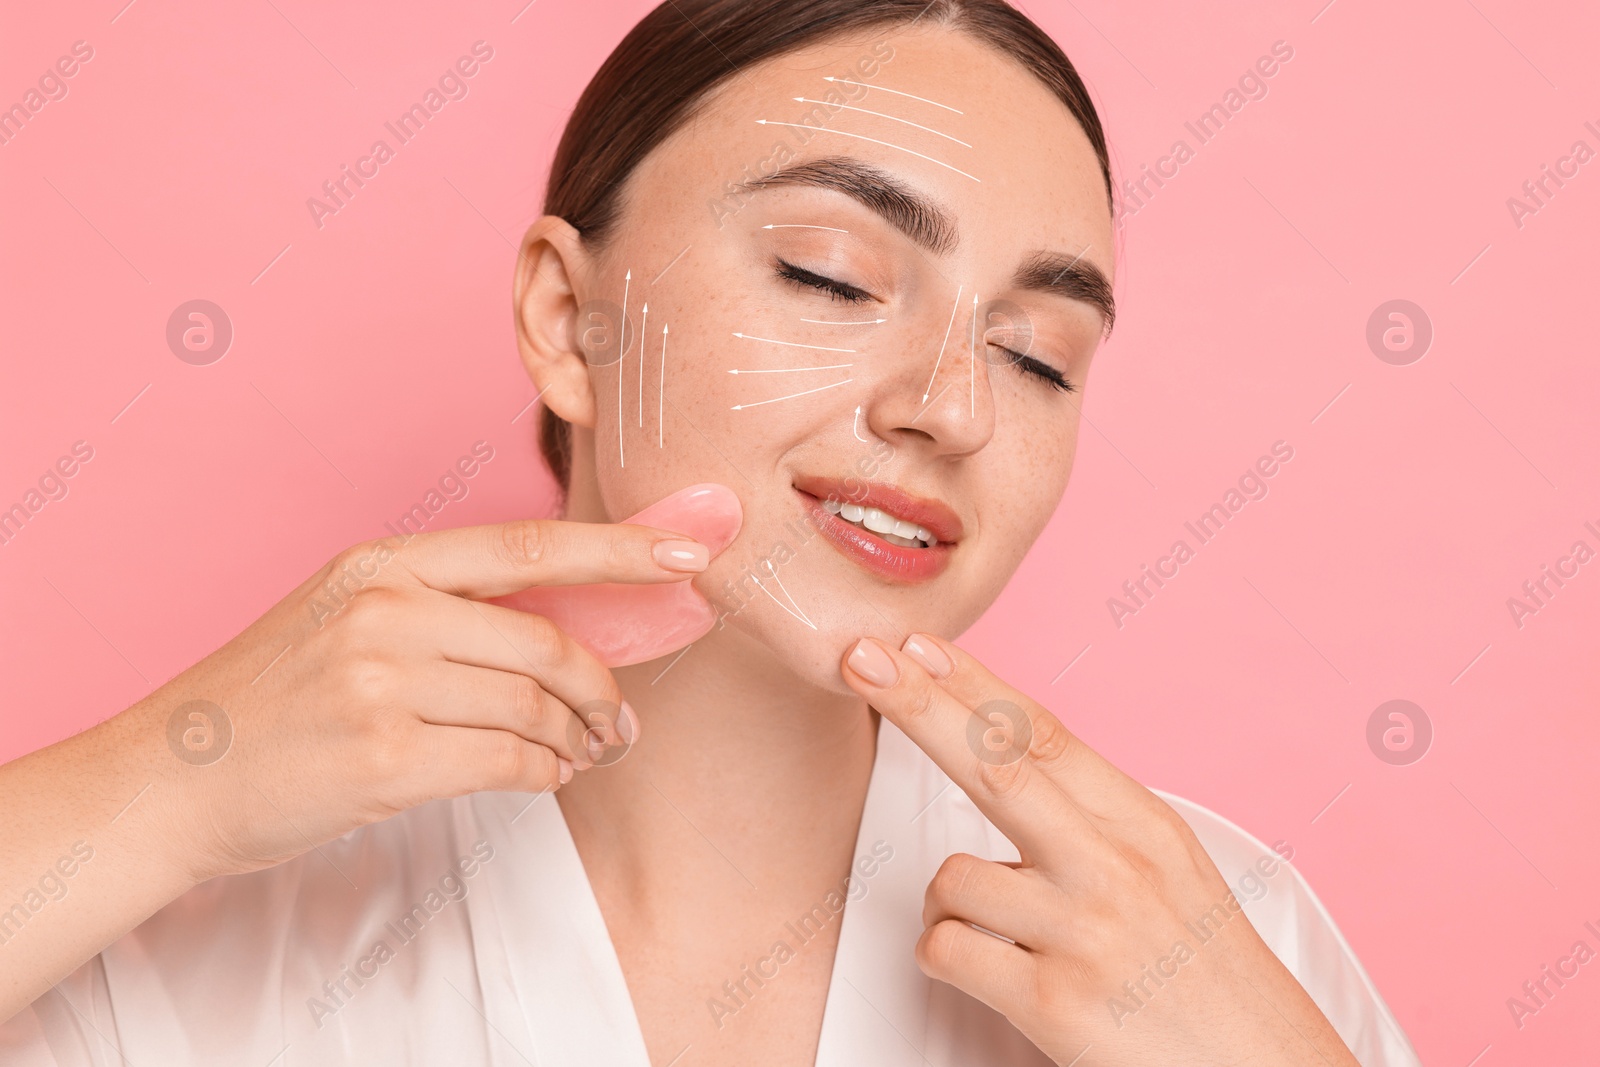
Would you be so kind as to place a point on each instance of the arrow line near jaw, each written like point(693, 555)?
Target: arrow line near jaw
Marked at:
point(881, 115)
point(791, 370)
point(874, 140)
point(796, 612)
point(946, 341)
point(792, 344)
point(896, 92)
point(791, 396)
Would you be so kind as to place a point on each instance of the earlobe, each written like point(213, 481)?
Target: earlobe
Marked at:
point(545, 303)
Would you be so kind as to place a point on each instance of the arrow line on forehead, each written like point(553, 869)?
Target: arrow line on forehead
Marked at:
point(882, 115)
point(897, 92)
point(874, 140)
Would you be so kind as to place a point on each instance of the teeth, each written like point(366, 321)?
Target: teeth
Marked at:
point(878, 521)
point(895, 531)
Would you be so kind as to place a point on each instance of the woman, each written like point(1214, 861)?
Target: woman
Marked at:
point(835, 837)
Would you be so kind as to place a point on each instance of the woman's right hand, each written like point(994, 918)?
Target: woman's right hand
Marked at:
point(383, 681)
point(380, 683)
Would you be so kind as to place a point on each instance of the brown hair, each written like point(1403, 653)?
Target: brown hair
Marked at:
point(653, 81)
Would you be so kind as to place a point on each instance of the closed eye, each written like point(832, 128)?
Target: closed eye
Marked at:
point(848, 294)
point(1039, 369)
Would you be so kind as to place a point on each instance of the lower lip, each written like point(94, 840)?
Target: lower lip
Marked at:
point(873, 552)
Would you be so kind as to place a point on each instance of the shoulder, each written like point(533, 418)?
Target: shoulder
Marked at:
point(1298, 928)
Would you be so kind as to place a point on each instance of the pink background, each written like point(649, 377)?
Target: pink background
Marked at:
point(371, 353)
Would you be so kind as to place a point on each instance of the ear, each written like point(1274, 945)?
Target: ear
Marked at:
point(551, 270)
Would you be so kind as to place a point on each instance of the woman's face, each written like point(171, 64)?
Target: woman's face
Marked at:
point(813, 287)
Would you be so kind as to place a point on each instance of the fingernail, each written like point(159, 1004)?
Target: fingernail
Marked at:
point(681, 555)
point(564, 769)
point(922, 649)
point(873, 664)
point(595, 743)
point(628, 725)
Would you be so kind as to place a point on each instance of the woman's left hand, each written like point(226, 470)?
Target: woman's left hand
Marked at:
point(1109, 902)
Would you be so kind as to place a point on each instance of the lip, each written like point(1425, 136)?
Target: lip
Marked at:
point(866, 548)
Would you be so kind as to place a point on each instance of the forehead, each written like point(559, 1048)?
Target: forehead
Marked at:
point(964, 124)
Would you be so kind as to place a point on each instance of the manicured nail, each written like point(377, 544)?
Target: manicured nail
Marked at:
point(873, 664)
point(628, 725)
point(681, 555)
point(922, 649)
point(595, 742)
point(564, 769)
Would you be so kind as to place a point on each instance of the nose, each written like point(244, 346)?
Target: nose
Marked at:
point(932, 394)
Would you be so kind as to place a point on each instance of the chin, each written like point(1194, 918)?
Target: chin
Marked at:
point(802, 620)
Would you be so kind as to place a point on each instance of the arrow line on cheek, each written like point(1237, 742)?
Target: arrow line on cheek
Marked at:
point(791, 396)
point(791, 344)
point(622, 351)
point(642, 327)
point(942, 344)
point(791, 370)
point(972, 363)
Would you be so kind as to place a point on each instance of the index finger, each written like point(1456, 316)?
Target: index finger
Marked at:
point(1021, 801)
point(501, 558)
point(1080, 771)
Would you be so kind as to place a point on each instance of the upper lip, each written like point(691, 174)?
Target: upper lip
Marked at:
point(935, 517)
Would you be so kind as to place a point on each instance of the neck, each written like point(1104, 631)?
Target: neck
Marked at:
point(740, 763)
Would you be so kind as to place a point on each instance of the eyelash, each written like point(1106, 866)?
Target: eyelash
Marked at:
point(849, 294)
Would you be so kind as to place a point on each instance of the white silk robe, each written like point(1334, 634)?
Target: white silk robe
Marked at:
point(465, 932)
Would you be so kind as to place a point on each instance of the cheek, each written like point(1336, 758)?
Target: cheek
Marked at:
point(1031, 461)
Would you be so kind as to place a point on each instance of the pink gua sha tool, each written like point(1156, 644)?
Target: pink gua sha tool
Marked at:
point(624, 624)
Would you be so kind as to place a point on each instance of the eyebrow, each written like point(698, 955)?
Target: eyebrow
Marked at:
point(1072, 277)
point(901, 206)
point(931, 227)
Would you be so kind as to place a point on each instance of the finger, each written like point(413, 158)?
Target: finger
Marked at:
point(494, 560)
point(1118, 804)
point(453, 694)
point(974, 962)
point(1016, 796)
point(996, 897)
point(455, 760)
point(504, 639)
point(1085, 775)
